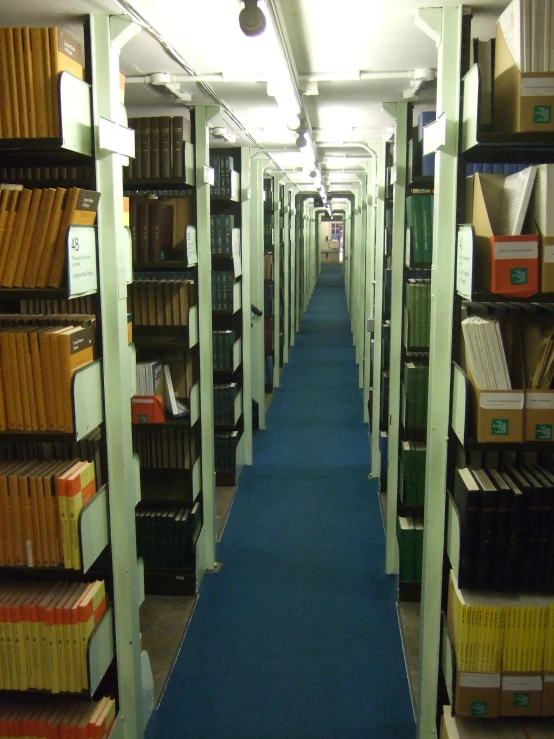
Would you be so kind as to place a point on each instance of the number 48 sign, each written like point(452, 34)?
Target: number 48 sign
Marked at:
point(81, 261)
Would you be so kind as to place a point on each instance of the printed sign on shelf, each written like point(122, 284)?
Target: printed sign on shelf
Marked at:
point(81, 260)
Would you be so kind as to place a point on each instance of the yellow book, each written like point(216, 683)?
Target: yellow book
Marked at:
point(62, 638)
point(549, 640)
point(6, 108)
point(91, 609)
point(50, 641)
point(15, 92)
point(21, 82)
point(14, 251)
point(61, 494)
point(5, 667)
point(72, 644)
point(29, 80)
point(80, 488)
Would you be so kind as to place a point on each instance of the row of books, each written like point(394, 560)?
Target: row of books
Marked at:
point(30, 357)
point(418, 313)
point(495, 633)
point(409, 533)
point(36, 222)
point(51, 305)
point(40, 505)
point(166, 536)
point(165, 448)
point(223, 349)
point(159, 147)
point(222, 290)
point(461, 727)
point(506, 521)
point(527, 29)
point(221, 233)
point(495, 168)
point(225, 451)
point(51, 624)
point(161, 302)
point(268, 266)
point(224, 404)
point(423, 165)
point(22, 175)
point(224, 175)
point(413, 455)
point(268, 334)
point(269, 297)
point(415, 383)
point(159, 227)
point(419, 218)
point(30, 64)
point(33, 720)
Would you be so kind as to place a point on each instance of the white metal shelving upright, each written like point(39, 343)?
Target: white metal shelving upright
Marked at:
point(252, 263)
point(277, 318)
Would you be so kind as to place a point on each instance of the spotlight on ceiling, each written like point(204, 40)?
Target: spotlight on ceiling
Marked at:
point(251, 19)
point(301, 140)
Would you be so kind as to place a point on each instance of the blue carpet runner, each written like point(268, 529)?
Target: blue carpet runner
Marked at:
point(297, 636)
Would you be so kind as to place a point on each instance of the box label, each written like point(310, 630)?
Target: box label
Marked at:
point(81, 258)
point(537, 86)
point(542, 114)
point(539, 401)
point(548, 253)
point(521, 700)
point(518, 276)
point(543, 432)
point(516, 249)
point(478, 708)
point(501, 401)
point(522, 683)
point(143, 418)
point(500, 427)
point(479, 680)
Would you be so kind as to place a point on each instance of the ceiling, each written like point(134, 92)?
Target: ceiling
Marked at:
point(324, 37)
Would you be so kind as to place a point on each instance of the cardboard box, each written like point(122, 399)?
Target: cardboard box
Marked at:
point(523, 102)
point(521, 694)
point(504, 265)
point(454, 727)
point(147, 409)
point(477, 695)
point(546, 263)
point(548, 694)
point(498, 414)
point(538, 415)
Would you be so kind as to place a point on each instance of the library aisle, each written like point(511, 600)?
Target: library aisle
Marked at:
point(297, 635)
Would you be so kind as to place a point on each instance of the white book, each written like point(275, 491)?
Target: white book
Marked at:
point(172, 405)
point(498, 355)
point(486, 354)
point(510, 23)
point(469, 331)
point(536, 12)
point(505, 370)
point(526, 15)
point(542, 203)
point(515, 200)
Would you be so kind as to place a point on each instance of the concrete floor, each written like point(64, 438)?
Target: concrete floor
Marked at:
point(164, 619)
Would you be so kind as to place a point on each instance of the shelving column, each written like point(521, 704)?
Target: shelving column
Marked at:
point(253, 223)
point(400, 112)
point(108, 36)
point(286, 275)
point(293, 266)
point(276, 282)
point(444, 25)
point(369, 300)
point(206, 548)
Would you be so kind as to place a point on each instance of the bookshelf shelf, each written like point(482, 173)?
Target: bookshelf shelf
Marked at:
point(422, 183)
point(224, 198)
point(159, 185)
point(484, 296)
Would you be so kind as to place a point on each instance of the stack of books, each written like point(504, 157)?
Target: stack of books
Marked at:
point(415, 391)
point(161, 302)
point(222, 290)
point(159, 228)
point(221, 233)
point(223, 166)
point(40, 504)
point(224, 404)
point(159, 147)
point(51, 624)
point(164, 448)
point(225, 451)
point(527, 30)
point(419, 217)
point(31, 62)
point(223, 343)
point(409, 533)
point(166, 536)
point(413, 456)
point(36, 222)
point(32, 354)
point(28, 720)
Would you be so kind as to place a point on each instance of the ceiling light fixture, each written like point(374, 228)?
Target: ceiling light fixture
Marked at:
point(251, 19)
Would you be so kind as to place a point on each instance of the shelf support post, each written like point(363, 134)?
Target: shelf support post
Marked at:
point(293, 263)
point(276, 282)
point(440, 361)
point(286, 276)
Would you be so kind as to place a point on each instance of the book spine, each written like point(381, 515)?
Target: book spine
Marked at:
point(177, 147)
point(154, 148)
point(165, 147)
point(145, 148)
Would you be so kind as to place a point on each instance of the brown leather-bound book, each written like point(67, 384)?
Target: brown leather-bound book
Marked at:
point(165, 147)
point(137, 163)
point(39, 237)
point(154, 148)
point(177, 146)
point(40, 83)
point(29, 81)
point(14, 90)
point(20, 225)
point(27, 240)
point(145, 148)
point(21, 82)
point(9, 229)
point(47, 65)
point(51, 237)
point(66, 55)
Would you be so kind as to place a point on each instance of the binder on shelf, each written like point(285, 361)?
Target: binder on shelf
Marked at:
point(505, 265)
point(523, 101)
point(498, 414)
point(538, 415)
point(148, 409)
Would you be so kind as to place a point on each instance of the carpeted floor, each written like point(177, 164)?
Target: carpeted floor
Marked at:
point(297, 636)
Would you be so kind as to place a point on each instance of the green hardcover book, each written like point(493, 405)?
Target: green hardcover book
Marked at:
point(410, 306)
point(418, 547)
point(418, 229)
point(427, 223)
point(411, 257)
point(406, 548)
point(420, 452)
point(407, 472)
point(416, 335)
point(427, 323)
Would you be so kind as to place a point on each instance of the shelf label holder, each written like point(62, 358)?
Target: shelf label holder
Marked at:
point(81, 261)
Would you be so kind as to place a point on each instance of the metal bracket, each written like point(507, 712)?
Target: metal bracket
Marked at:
point(122, 30)
point(390, 108)
point(429, 20)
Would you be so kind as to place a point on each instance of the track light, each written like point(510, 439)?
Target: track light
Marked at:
point(301, 140)
point(251, 19)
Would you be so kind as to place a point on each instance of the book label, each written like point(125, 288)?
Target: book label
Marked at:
point(518, 276)
point(478, 680)
point(500, 427)
point(478, 708)
point(192, 254)
point(522, 683)
point(515, 250)
point(543, 432)
point(537, 87)
point(539, 401)
point(501, 401)
point(209, 175)
point(542, 114)
point(81, 260)
point(464, 262)
point(235, 244)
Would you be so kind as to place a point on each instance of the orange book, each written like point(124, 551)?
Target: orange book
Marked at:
point(21, 82)
point(73, 637)
point(52, 510)
point(60, 388)
point(8, 379)
point(15, 379)
point(40, 236)
point(26, 340)
point(5, 520)
point(81, 207)
point(76, 349)
point(32, 631)
point(27, 240)
point(5, 109)
point(80, 487)
point(50, 639)
point(47, 374)
point(47, 71)
point(16, 512)
point(61, 616)
point(514, 265)
point(51, 238)
point(15, 93)
point(38, 513)
point(36, 370)
point(66, 55)
point(21, 354)
point(7, 679)
point(14, 252)
point(91, 609)
point(103, 720)
point(8, 232)
point(28, 541)
point(18, 636)
point(3, 412)
point(29, 80)
point(5, 198)
point(61, 494)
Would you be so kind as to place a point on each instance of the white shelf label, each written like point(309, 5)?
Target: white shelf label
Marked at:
point(235, 242)
point(522, 682)
point(408, 246)
point(81, 260)
point(539, 401)
point(478, 680)
point(464, 262)
point(501, 401)
point(516, 249)
point(209, 175)
point(434, 135)
point(235, 186)
point(537, 86)
point(548, 253)
point(116, 138)
point(192, 253)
